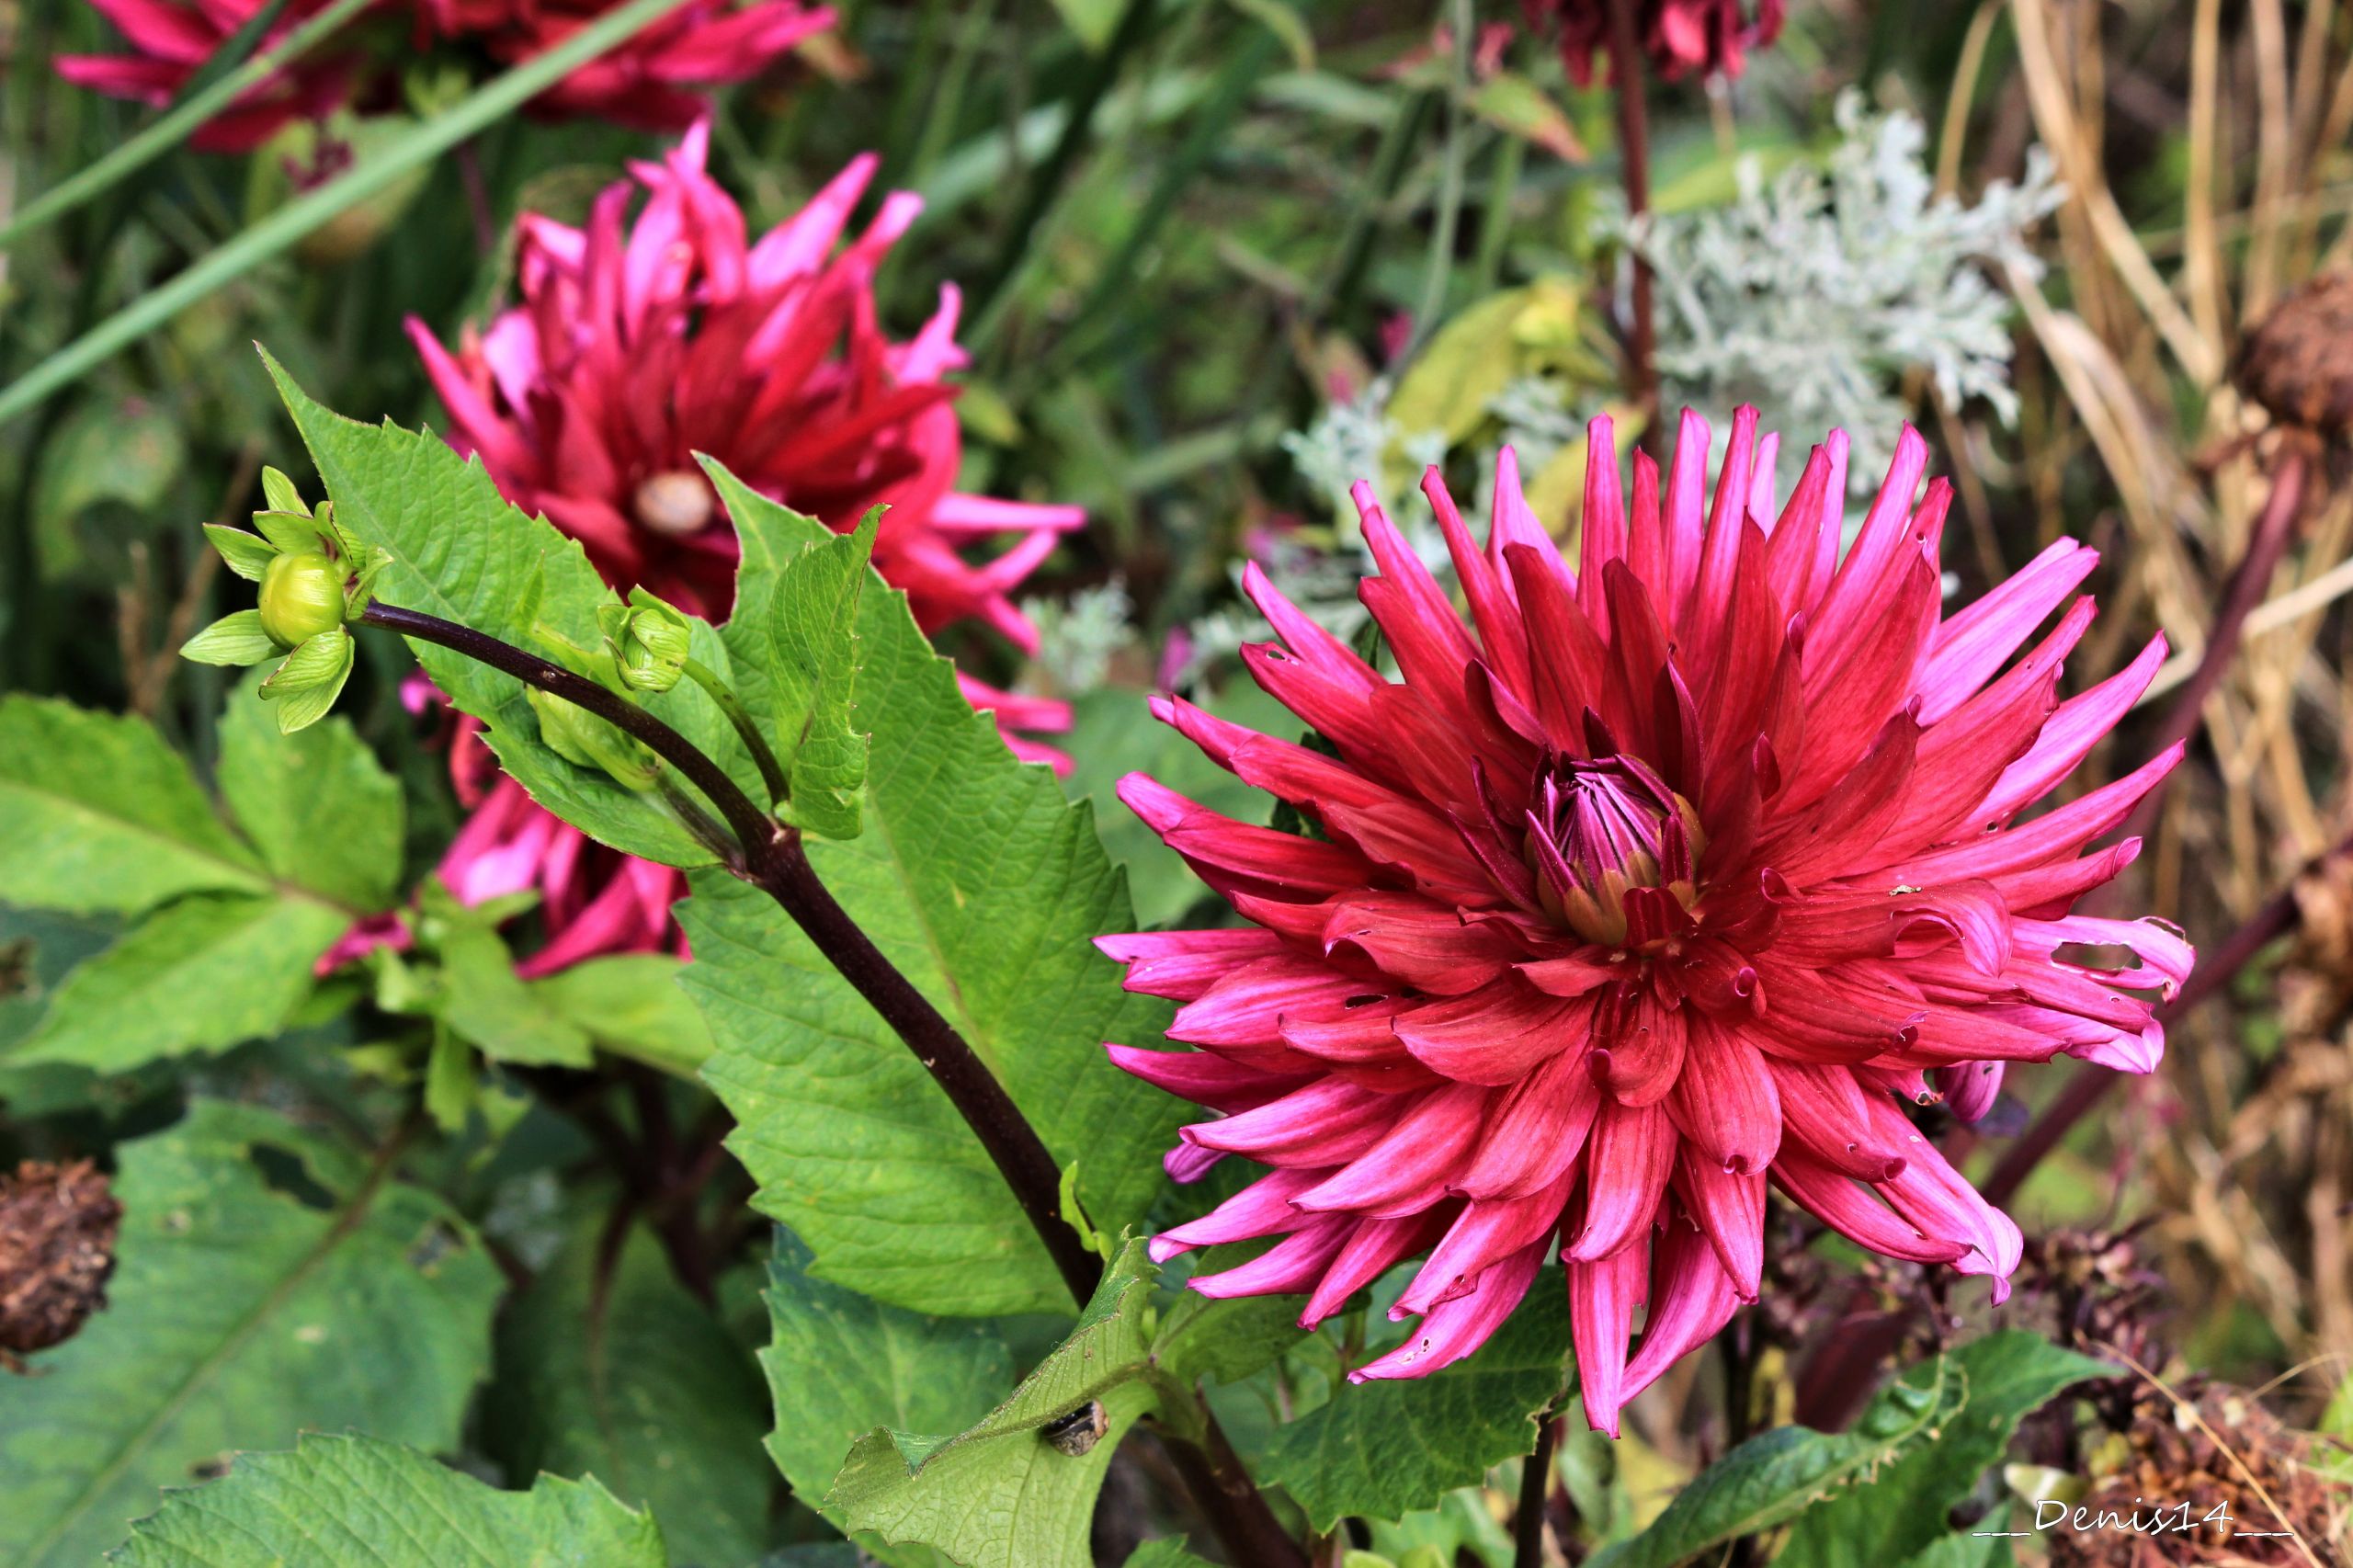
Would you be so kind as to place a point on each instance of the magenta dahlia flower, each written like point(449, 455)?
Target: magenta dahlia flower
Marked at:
point(1709, 37)
point(1674, 874)
point(170, 40)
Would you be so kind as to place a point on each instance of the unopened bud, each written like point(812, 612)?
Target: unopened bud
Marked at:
point(653, 643)
point(301, 595)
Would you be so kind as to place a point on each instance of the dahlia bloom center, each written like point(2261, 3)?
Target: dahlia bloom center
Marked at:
point(676, 504)
point(1598, 831)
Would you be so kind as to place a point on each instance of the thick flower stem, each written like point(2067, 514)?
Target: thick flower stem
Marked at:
point(1634, 164)
point(772, 859)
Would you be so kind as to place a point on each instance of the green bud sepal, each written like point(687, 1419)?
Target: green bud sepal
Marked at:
point(307, 683)
point(650, 641)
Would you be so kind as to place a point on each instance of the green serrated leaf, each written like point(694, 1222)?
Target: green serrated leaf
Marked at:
point(306, 683)
point(267, 1280)
point(984, 888)
point(1385, 1449)
point(317, 805)
point(632, 1004)
point(205, 973)
point(354, 1501)
point(235, 639)
point(2003, 1379)
point(840, 1365)
point(606, 1367)
point(1000, 1494)
point(455, 550)
point(97, 814)
point(248, 555)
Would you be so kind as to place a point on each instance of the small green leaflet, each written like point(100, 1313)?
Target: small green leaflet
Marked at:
point(632, 1004)
point(354, 1501)
point(1386, 1449)
point(267, 1280)
point(1001, 1494)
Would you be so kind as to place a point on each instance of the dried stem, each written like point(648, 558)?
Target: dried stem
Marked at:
point(2266, 545)
point(771, 858)
point(1634, 162)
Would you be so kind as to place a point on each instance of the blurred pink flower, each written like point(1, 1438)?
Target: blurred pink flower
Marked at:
point(653, 82)
point(636, 347)
point(1711, 36)
point(1671, 875)
point(170, 40)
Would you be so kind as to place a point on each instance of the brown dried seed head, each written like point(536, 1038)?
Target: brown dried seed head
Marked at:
point(57, 1236)
point(2299, 363)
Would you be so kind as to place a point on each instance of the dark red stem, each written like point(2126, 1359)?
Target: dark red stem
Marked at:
point(1535, 1488)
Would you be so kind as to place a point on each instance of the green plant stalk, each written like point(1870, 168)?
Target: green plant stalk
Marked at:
point(175, 127)
point(771, 771)
point(287, 226)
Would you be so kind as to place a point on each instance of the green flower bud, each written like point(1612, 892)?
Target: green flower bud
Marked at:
point(301, 595)
point(654, 641)
point(581, 738)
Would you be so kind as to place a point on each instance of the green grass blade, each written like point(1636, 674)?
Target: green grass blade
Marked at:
point(282, 229)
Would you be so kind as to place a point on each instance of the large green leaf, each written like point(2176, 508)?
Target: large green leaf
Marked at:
point(1000, 1494)
point(1385, 1449)
point(201, 974)
point(461, 552)
point(2005, 1377)
point(607, 1367)
point(1884, 1487)
point(316, 804)
point(839, 1366)
point(268, 1281)
point(984, 888)
point(353, 1502)
point(98, 816)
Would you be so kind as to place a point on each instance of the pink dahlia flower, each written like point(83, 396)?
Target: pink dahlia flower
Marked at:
point(656, 81)
point(1674, 874)
point(170, 40)
point(638, 346)
point(1711, 36)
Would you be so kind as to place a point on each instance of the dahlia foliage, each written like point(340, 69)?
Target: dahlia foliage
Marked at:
point(1677, 873)
point(638, 346)
point(653, 81)
point(1709, 37)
